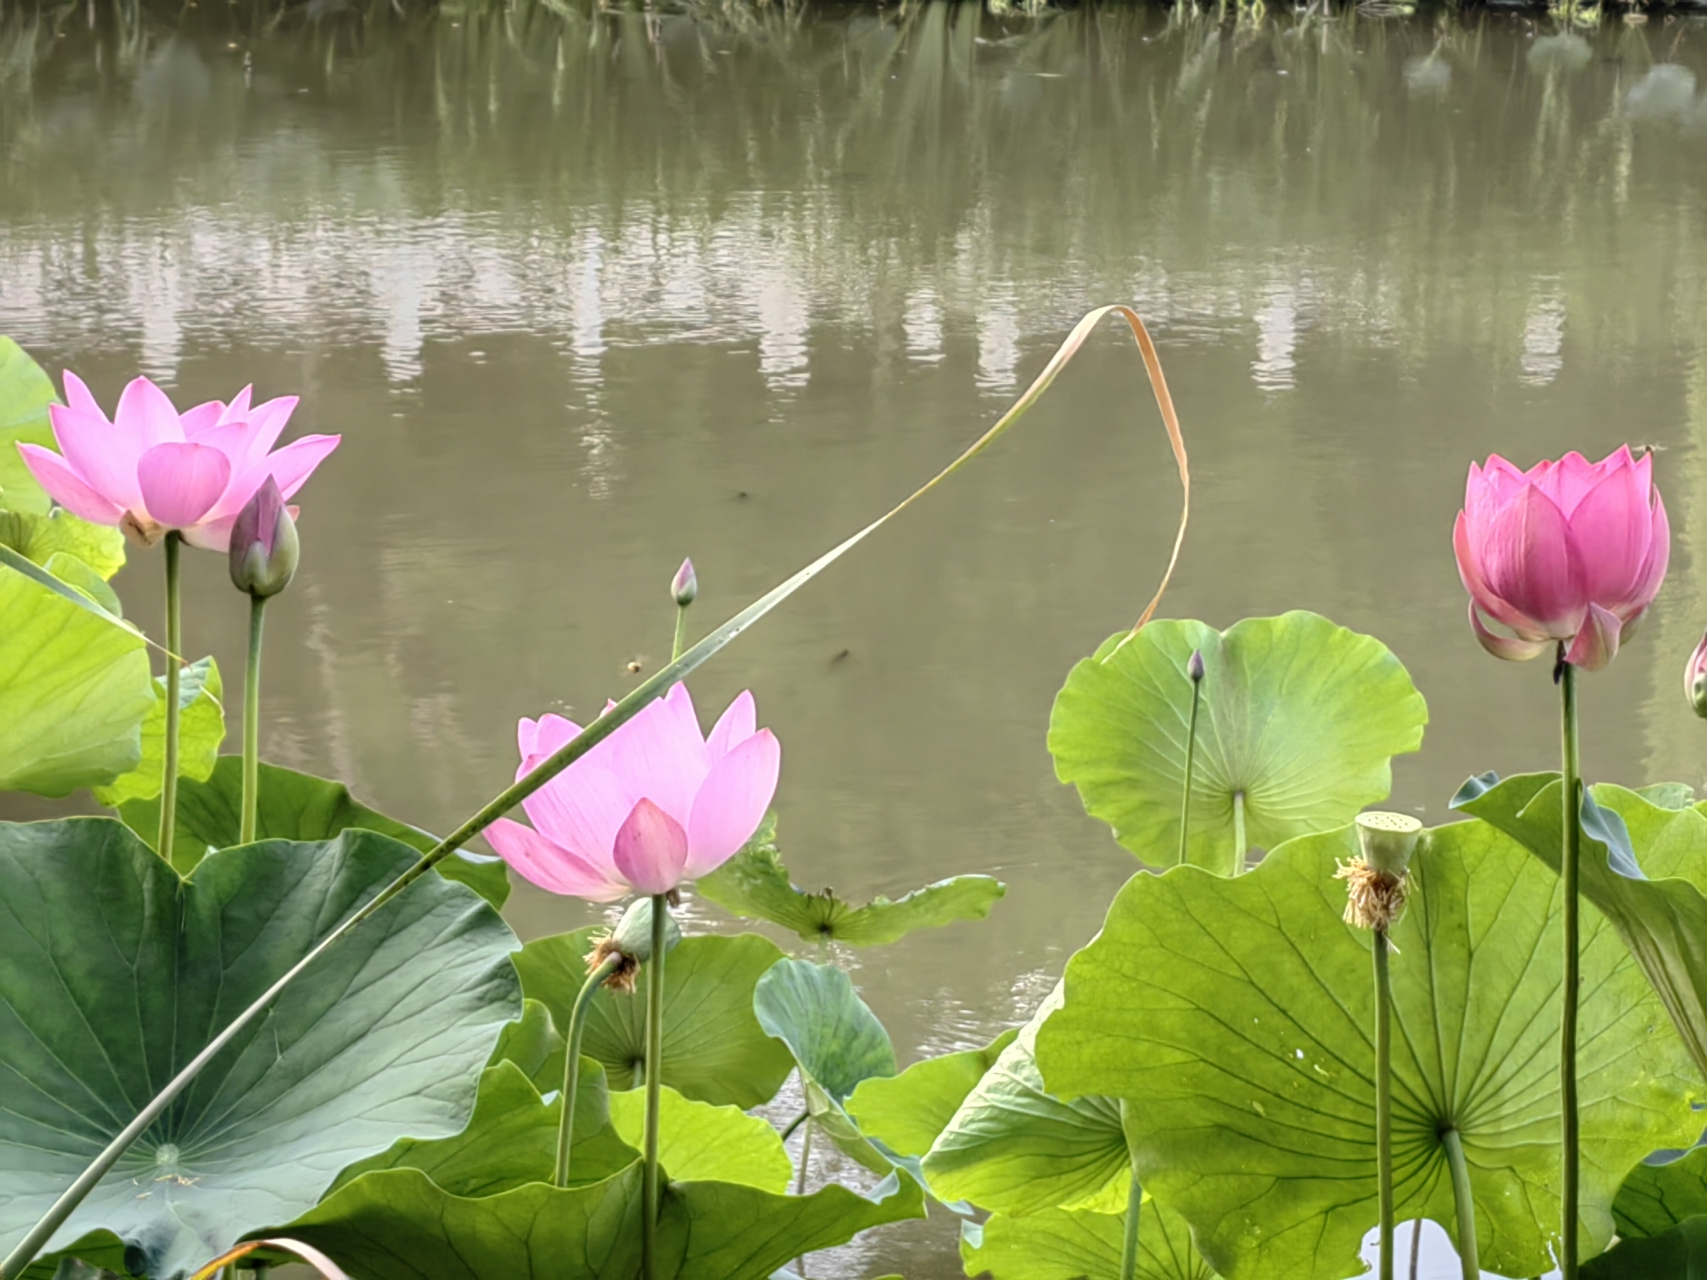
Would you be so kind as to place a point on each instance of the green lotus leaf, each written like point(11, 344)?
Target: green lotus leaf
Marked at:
point(74, 573)
point(201, 728)
point(25, 393)
point(511, 1139)
point(1657, 1197)
point(908, 1111)
point(1640, 865)
point(1678, 1254)
point(1080, 1244)
point(1299, 717)
point(533, 1045)
point(292, 806)
point(1236, 1017)
point(698, 1142)
point(1015, 1148)
point(754, 884)
point(398, 1225)
point(114, 972)
point(74, 692)
point(42, 537)
point(714, 1049)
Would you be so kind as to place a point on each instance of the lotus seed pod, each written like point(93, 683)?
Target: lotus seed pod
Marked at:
point(1388, 840)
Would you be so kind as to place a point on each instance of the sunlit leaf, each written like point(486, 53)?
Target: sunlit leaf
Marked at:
point(1657, 1197)
point(25, 393)
point(1299, 717)
point(908, 1111)
point(698, 1142)
point(1080, 1244)
point(201, 728)
point(1236, 1018)
point(1677, 1254)
point(40, 537)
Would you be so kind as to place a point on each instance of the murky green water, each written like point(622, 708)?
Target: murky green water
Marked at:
point(585, 295)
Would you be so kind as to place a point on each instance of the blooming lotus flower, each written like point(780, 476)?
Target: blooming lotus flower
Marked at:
point(653, 805)
point(153, 470)
point(1568, 552)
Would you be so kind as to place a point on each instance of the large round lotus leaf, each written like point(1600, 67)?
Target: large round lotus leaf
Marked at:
point(25, 393)
point(714, 1049)
point(1299, 717)
point(1236, 1018)
point(114, 972)
point(1657, 1197)
point(908, 1111)
point(1080, 1244)
point(1677, 1254)
point(201, 728)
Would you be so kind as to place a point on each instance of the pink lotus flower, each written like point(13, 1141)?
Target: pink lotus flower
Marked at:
point(1568, 552)
point(152, 470)
point(653, 805)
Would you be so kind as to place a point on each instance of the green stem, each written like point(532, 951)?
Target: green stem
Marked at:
point(1416, 1246)
point(1468, 1255)
point(681, 632)
point(252, 724)
point(654, 1086)
point(572, 1062)
point(1384, 1102)
point(1190, 764)
point(1239, 845)
point(1129, 1246)
point(174, 647)
point(800, 1181)
point(794, 1124)
point(1571, 801)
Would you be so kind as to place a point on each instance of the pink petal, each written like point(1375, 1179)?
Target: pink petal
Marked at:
point(1597, 643)
point(544, 736)
point(78, 397)
point(661, 754)
point(292, 465)
point(99, 454)
point(1573, 477)
point(146, 415)
point(548, 866)
point(238, 409)
point(213, 533)
point(651, 849)
point(181, 482)
point(733, 727)
point(732, 802)
point(267, 420)
point(1654, 569)
point(581, 809)
point(1526, 561)
point(1470, 573)
point(1610, 532)
point(201, 419)
point(1504, 646)
point(66, 488)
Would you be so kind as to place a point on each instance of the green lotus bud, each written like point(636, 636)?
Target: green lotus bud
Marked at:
point(1194, 668)
point(1695, 679)
point(684, 587)
point(631, 940)
point(264, 547)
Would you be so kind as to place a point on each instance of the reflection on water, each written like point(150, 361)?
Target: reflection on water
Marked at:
point(589, 293)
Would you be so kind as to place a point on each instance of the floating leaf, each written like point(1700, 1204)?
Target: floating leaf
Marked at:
point(114, 973)
point(755, 884)
point(201, 728)
point(1657, 1197)
point(1080, 1244)
point(908, 1111)
point(74, 691)
point(292, 806)
point(1236, 1016)
point(1299, 717)
point(1015, 1148)
point(714, 1048)
point(698, 1142)
point(25, 393)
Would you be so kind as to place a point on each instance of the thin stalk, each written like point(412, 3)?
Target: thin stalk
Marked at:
point(1416, 1246)
point(572, 1063)
point(1384, 1102)
point(794, 1124)
point(1129, 1246)
point(681, 632)
point(654, 1086)
point(1190, 764)
point(252, 724)
point(1239, 845)
point(174, 646)
point(1568, 1006)
point(1469, 1256)
point(800, 1182)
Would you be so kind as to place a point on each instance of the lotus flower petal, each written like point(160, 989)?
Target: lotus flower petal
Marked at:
point(1470, 573)
point(651, 849)
point(581, 809)
point(1527, 562)
point(550, 866)
point(1597, 643)
point(101, 455)
point(662, 755)
point(66, 487)
point(733, 727)
point(79, 399)
point(181, 482)
point(146, 416)
point(1512, 650)
point(732, 803)
point(1610, 531)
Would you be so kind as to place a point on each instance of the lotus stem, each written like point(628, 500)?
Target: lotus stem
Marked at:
point(794, 1124)
point(1129, 1246)
point(681, 632)
point(1469, 1256)
point(1569, 798)
point(1416, 1246)
point(800, 1181)
point(252, 724)
point(1239, 845)
point(654, 1086)
point(1384, 1101)
point(174, 647)
point(572, 1062)
point(1194, 672)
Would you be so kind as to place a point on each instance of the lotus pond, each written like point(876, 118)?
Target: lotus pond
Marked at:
point(583, 293)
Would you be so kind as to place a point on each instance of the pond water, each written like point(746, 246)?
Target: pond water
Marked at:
point(586, 293)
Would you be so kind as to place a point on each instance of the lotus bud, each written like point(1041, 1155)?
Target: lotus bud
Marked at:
point(264, 547)
point(684, 587)
point(1695, 679)
point(1377, 881)
point(1194, 668)
point(631, 942)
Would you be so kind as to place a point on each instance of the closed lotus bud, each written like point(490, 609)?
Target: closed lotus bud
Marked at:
point(684, 587)
point(1695, 679)
point(264, 548)
point(631, 941)
point(1194, 668)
